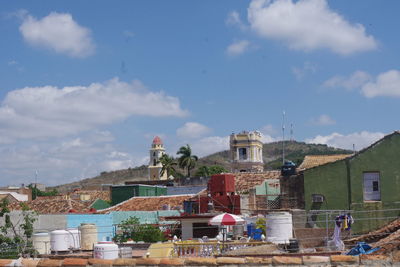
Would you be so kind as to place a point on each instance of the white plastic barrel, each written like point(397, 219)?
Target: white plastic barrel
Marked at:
point(59, 240)
point(41, 242)
point(106, 250)
point(279, 227)
point(75, 238)
point(88, 235)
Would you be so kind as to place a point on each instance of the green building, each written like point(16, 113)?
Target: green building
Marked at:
point(120, 193)
point(367, 184)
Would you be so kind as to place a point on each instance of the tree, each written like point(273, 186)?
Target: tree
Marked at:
point(132, 229)
point(216, 169)
point(186, 160)
point(203, 171)
point(15, 240)
point(39, 193)
point(168, 165)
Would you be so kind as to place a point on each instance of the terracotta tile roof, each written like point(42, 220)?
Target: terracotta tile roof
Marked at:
point(244, 181)
point(149, 203)
point(94, 194)
point(387, 238)
point(312, 161)
point(53, 205)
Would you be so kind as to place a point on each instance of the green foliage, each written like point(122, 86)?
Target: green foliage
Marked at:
point(202, 171)
point(186, 160)
point(168, 165)
point(216, 169)
point(39, 193)
point(261, 223)
point(209, 170)
point(15, 240)
point(132, 229)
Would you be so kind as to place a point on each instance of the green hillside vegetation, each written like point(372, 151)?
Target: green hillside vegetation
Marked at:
point(272, 154)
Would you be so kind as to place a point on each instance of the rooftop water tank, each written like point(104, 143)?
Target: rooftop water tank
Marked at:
point(125, 252)
point(75, 238)
point(279, 227)
point(106, 250)
point(41, 242)
point(88, 235)
point(59, 240)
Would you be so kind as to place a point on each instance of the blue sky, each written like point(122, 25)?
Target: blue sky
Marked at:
point(85, 86)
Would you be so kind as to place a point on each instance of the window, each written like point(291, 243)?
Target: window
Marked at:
point(372, 189)
point(242, 153)
point(154, 162)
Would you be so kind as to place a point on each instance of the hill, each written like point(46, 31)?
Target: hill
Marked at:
point(272, 155)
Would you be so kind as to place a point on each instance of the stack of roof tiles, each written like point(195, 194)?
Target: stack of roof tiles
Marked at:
point(312, 161)
point(244, 181)
point(149, 203)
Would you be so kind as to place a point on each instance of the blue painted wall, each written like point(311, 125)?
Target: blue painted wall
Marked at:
point(104, 223)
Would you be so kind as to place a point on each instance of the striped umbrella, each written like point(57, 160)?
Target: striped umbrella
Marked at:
point(226, 219)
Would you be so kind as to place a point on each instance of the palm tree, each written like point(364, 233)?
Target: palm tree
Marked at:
point(168, 165)
point(186, 160)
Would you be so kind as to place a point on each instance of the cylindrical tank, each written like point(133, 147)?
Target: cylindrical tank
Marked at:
point(106, 250)
point(125, 252)
point(41, 242)
point(88, 235)
point(238, 231)
point(59, 240)
point(75, 238)
point(279, 227)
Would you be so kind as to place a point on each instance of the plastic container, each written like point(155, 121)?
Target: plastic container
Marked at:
point(75, 238)
point(106, 250)
point(88, 235)
point(125, 252)
point(279, 227)
point(59, 240)
point(41, 242)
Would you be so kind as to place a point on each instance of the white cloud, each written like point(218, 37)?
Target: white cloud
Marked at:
point(233, 19)
point(323, 120)
point(385, 84)
point(355, 80)
point(192, 130)
point(238, 47)
point(58, 32)
point(360, 140)
point(307, 68)
point(308, 25)
point(62, 160)
point(209, 145)
point(268, 129)
point(40, 112)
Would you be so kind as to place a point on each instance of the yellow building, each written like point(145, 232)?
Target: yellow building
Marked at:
point(246, 152)
point(155, 166)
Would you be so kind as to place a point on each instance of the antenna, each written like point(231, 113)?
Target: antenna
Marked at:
point(283, 138)
point(291, 132)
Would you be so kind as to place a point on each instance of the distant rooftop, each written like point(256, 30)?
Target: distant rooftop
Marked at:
point(312, 161)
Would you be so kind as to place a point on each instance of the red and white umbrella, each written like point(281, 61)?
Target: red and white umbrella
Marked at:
point(226, 219)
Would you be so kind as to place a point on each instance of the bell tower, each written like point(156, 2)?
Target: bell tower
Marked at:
point(246, 152)
point(155, 166)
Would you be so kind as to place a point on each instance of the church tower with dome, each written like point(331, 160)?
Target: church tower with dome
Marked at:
point(155, 166)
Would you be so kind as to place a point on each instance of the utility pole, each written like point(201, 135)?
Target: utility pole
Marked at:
point(283, 138)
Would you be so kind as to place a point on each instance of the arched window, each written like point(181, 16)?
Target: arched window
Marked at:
point(154, 162)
